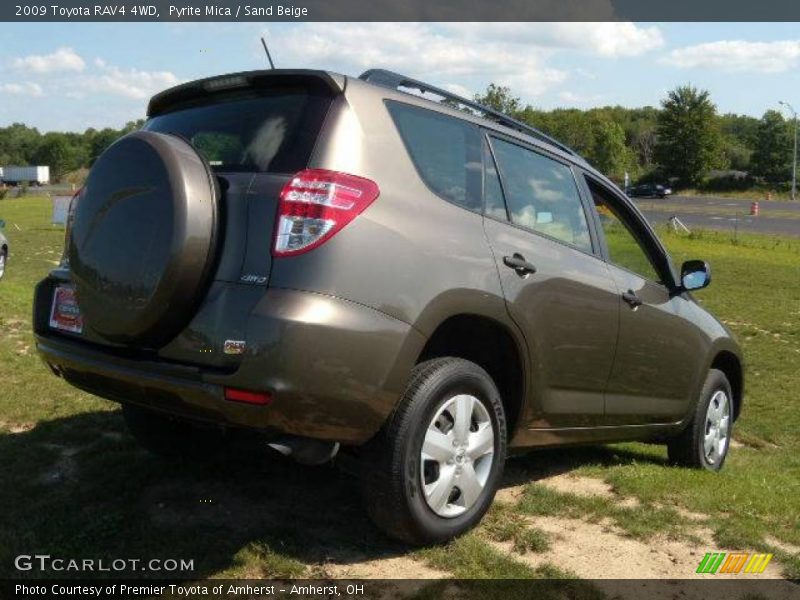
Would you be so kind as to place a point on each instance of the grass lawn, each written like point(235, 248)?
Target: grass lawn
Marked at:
point(75, 484)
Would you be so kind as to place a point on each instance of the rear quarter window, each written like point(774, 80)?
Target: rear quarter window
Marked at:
point(445, 151)
point(272, 132)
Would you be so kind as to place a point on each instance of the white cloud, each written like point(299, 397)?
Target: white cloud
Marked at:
point(573, 99)
point(130, 83)
point(419, 50)
point(97, 77)
point(459, 90)
point(28, 88)
point(461, 56)
point(63, 59)
point(609, 39)
point(737, 56)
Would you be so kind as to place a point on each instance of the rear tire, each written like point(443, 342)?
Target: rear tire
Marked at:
point(3, 261)
point(167, 437)
point(705, 441)
point(432, 472)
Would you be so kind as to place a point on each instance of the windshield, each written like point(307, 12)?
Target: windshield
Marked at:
point(273, 132)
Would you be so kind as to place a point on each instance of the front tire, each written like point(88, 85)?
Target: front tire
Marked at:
point(705, 442)
point(432, 472)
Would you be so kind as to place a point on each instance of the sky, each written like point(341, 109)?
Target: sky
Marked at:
point(71, 76)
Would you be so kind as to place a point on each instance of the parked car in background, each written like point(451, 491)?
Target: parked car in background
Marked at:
point(342, 266)
point(650, 190)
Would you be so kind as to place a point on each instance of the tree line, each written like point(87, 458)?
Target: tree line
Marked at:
point(680, 142)
point(63, 152)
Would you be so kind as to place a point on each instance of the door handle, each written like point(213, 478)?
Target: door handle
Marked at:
point(632, 299)
point(521, 266)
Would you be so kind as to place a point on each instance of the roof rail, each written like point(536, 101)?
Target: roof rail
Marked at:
point(396, 80)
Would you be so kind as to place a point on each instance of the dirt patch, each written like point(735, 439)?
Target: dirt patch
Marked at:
point(398, 567)
point(580, 486)
point(510, 494)
point(587, 487)
point(16, 427)
point(602, 551)
point(599, 551)
point(785, 546)
point(687, 514)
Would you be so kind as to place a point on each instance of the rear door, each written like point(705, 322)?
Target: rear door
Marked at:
point(658, 351)
point(557, 288)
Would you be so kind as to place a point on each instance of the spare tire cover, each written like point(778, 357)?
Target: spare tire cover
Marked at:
point(142, 240)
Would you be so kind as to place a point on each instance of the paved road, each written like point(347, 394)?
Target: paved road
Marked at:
point(702, 212)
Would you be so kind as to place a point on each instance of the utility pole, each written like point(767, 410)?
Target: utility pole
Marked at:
point(794, 155)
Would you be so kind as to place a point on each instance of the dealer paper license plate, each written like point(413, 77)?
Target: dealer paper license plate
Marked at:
point(65, 314)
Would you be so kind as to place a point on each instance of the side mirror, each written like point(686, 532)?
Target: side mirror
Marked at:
point(695, 275)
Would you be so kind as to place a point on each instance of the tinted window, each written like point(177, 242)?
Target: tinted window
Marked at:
point(624, 247)
point(541, 194)
point(273, 133)
point(446, 152)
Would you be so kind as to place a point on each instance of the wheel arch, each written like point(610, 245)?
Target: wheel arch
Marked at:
point(491, 344)
point(731, 365)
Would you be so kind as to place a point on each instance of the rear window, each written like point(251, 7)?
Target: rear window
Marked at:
point(272, 133)
point(446, 152)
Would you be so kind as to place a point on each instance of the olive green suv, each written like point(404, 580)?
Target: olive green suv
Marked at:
point(377, 267)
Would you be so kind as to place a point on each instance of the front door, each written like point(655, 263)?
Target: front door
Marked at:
point(655, 367)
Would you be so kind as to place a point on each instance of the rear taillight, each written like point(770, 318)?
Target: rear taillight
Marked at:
point(68, 226)
point(315, 205)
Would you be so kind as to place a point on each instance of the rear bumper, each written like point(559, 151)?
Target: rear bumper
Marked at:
point(335, 370)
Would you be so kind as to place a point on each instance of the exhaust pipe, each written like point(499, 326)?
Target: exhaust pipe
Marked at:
point(306, 451)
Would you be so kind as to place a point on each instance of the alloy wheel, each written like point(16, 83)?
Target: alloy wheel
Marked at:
point(718, 420)
point(457, 455)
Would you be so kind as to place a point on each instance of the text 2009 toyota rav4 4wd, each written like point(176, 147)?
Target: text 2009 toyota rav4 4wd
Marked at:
point(338, 263)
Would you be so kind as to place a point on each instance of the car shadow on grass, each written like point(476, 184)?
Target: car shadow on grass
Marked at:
point(80, 487)
point(550, 462)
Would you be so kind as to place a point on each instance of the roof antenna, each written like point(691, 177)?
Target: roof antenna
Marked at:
point(269, 58)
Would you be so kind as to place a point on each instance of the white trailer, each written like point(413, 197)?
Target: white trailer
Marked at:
point(35, 175)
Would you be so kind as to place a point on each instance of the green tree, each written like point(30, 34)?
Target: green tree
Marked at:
point(100, 140)
point(742, 128)
point(18, 142)
point(60, 152)
point(610, 154)
point(772, 155)
point(689, 141)
point(500, 98)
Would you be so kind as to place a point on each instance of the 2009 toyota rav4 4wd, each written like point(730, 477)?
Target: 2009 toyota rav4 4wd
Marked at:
point(336, 262)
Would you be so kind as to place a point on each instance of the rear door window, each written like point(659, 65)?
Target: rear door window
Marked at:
point(272, 132)
point(542, 194)
point(446, 152)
